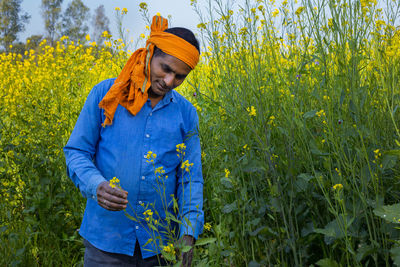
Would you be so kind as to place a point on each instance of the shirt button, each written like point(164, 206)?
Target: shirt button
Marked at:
point(143, 177)
point(137, 227)
point(140, 202)
point(151, 113)
point(145, 156)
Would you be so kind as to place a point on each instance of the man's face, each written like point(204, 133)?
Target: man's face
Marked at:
point(166, 73)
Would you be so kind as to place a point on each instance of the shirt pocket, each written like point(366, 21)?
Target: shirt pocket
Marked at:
point(170, 137)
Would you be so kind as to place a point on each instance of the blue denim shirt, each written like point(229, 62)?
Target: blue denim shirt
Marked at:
point(95, 154)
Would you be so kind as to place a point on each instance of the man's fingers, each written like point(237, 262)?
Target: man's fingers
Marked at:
point(115, 199)
point(116, 192)
point(111, 205)
point(106, 205)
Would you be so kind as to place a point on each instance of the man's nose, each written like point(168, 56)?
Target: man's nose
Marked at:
point(169, 80)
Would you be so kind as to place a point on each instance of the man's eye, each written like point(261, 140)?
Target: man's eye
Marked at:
point(166, 68)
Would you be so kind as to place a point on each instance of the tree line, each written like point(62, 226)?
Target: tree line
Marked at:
point(73, 22)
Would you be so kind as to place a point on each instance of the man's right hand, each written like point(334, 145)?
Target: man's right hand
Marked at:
point(113, 199)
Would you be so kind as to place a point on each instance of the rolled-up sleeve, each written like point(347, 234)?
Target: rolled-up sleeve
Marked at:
point(80, 149)
point(190, 184)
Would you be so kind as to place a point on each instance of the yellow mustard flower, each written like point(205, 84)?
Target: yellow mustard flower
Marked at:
point(186, 165)
point(114, 182)
point(227, 172)
point(299, 10)
point(338, 186)
point(207, 226)
point(252, 111)
point(169, 248)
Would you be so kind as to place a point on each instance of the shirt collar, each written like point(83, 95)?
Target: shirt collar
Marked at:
point(168, 98)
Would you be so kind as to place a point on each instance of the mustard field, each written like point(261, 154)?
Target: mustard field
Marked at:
point(299, 124)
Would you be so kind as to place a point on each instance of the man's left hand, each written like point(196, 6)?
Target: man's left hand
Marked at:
point(187, 256)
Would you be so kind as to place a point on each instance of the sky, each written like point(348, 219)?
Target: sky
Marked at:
point(183, 15)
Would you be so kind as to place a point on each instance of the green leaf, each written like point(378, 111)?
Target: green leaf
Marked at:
point(186, 249)
point(259, 229)
point(394, 110)
point(333, 230)
point(20, 252)
point(390, 213)
point(352, 107)
point(309, 114)
point(178, 264)
point(130, 217)
point(204, 241)
point(394, 152)
point(327, 263)
point(275, 203)
point(148, 241)
point(388, 161)
point(305, 176)
point(342, 96)
point(364, 251)
point(226, 182)
point(395, 254)
point(172, 217)
point(228, 208)
point(397, 143)
point(3, 228)
point(253, 166)
point(255, 222)
point(302, 181)
point(168, 256)
point(254, 264)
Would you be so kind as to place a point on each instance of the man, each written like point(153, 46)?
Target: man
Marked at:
point(122, 122)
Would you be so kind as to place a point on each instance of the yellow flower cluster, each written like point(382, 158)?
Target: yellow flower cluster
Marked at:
point(186, 165)
point(169, 249)
point(367, 3)
point(159, 170)
point(252, 111)
point(321, 113)
point(377, 155)
point(271, 120)
point(227, 172)
point(337, 186)
point(151, 156)
point(180, 149)
point(143, 5)
point(299, 10)
point(114, 182)
point(43, 90)
point(148, 215)
point(105, 34)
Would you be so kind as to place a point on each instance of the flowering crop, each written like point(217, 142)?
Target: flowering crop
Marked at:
point(299, 112)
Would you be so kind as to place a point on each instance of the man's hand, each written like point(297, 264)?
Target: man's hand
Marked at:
point(187, 257)
point(113, 199)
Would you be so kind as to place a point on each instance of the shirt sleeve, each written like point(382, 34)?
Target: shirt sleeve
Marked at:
point(190, 184)
point(80, 149)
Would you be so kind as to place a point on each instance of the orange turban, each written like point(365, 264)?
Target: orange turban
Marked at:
point(130, 88)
